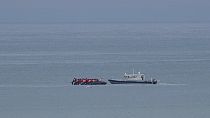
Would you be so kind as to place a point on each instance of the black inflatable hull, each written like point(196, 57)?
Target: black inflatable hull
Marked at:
point(86, 81)
point(90, 83)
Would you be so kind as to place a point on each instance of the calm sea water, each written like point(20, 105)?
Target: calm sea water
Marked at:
point(38, 62)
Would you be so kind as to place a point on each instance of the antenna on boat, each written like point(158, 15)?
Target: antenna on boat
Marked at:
point(133, 71)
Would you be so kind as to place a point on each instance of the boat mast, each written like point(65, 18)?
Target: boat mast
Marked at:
point(133, 71)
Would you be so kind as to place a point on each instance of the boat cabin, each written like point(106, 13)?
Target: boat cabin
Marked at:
point(133, 76)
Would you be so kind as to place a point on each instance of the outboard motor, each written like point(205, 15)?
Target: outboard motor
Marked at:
point(73, 82)
point(154, 81)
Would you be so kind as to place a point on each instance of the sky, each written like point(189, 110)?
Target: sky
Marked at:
point(26, 11)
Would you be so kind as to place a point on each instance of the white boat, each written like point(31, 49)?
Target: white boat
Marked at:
point(133, 79)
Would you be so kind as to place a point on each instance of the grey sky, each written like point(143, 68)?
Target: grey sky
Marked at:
point(104, 10)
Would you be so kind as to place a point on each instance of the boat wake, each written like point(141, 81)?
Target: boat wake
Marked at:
point(171, 84)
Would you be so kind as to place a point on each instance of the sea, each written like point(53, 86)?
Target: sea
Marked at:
point(38, 61)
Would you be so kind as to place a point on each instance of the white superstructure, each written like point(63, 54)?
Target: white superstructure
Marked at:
point(134, 76)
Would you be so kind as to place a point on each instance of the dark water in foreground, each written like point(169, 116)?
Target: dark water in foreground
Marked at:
point(38, 62)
